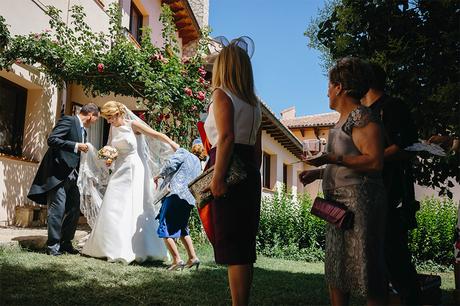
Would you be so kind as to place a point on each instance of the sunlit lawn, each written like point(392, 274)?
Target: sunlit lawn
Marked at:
point(36, 278)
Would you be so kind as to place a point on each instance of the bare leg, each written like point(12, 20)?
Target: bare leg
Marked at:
point(240, 279)
point(188, 244)
point(338, 297)
point(172, 248)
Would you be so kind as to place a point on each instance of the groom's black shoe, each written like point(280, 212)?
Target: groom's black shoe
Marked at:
point(69, 249)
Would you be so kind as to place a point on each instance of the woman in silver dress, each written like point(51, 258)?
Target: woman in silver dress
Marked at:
point(354, 260)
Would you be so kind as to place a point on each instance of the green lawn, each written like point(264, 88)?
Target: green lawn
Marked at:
point(35, 278)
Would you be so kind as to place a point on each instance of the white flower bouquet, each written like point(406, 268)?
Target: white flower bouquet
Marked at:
point(108, 153)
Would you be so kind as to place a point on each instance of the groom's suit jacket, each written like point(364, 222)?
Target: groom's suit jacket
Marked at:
point(60, 159)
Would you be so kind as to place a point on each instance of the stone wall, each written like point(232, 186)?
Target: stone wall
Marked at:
point(201, 10)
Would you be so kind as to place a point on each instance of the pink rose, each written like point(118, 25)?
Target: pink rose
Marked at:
point(100, 68)
point(18, 61)
point(202, 71)
point(188, 92)
point(193, 108)
point(201, 80)
point(200, 95)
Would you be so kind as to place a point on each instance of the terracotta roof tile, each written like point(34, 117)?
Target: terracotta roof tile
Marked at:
point(326, 119)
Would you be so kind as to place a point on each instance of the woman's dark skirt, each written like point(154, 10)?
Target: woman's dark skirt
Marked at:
point(234, 220)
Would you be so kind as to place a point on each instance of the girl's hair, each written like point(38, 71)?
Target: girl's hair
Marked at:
point(233, 70)
point(112, 108)
point(354, 74)
point(198, 151)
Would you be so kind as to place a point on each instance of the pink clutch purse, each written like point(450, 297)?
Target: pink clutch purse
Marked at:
point(333, 212)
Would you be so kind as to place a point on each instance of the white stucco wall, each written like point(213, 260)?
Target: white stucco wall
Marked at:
point(42, 104)
point(279, 155)
point(24, 16)
point(43, 99)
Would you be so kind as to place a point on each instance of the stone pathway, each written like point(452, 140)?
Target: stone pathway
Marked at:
point(31, 238)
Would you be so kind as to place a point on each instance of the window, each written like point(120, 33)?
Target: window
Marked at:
point(135, 22)
point(266, 170)
point(285, 167)
point(13, 101)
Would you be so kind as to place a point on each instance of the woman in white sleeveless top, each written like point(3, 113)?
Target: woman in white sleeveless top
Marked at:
point(231, 220)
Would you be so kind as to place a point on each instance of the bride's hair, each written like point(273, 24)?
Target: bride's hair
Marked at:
point(113, 108)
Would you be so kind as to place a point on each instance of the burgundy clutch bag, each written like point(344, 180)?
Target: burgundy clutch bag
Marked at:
point(333, 212)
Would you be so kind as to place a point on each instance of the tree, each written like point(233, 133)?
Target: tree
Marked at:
point(418, 44)
point(172, 89)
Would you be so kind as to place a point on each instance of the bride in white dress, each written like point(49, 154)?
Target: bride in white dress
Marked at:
point(124, 225)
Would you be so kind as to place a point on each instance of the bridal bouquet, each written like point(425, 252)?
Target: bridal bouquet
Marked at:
point(108, 153)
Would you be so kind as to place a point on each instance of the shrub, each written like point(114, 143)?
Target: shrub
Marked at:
point(196, 228)
point(288, 230)
point(433, 239)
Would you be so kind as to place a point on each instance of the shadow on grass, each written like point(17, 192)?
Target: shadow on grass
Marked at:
point(53, 284)
point(32, 278)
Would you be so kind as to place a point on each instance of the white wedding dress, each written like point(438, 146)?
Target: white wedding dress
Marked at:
point(125, 227)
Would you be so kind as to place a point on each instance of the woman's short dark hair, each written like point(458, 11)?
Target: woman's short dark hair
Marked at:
point(90, 108)
point(354, 74)
point(379, 77)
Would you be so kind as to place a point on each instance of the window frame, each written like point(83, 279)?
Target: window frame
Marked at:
point(19, 118)
point(285, 177)
point(139, 24)
point(266, 165)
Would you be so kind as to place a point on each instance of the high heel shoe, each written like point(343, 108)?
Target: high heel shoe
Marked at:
point(196, 263)
point(177, 266)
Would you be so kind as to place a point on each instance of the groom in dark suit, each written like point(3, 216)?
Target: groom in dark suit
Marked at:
point(55, 183)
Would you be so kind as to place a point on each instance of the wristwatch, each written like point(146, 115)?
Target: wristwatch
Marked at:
point(339, 160)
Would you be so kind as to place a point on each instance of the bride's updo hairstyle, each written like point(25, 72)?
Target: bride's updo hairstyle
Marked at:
point(113, 108)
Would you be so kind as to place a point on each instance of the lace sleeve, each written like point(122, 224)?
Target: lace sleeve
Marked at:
point(359, 117)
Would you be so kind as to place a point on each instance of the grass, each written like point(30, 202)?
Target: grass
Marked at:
point(35, 278)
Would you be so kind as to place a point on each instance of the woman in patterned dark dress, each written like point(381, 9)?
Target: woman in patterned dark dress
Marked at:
point(354, 258)
point(231, 220)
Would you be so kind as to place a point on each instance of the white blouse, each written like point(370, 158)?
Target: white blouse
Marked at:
point(246, 121)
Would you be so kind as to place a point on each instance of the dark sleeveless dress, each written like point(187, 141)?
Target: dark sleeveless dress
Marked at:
point(233, 221)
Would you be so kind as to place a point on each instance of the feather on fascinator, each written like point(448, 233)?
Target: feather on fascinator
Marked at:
point(244, 42)
point(219, 42)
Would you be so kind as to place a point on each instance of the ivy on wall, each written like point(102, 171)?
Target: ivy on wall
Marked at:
point(173, 90)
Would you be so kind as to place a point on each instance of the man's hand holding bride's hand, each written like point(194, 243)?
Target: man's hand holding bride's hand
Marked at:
point(82, 147)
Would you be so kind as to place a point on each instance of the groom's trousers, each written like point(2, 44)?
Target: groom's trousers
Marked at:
point(63, 212)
